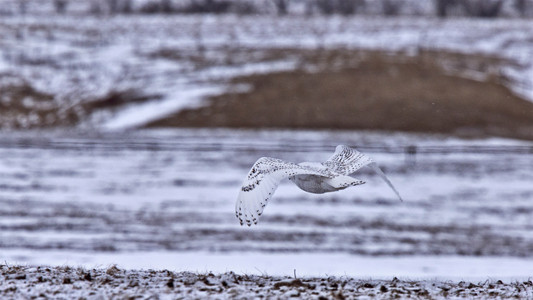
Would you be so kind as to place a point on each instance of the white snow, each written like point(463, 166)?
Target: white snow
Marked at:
point(454, 268)
point(136, 115)
point(168, 196)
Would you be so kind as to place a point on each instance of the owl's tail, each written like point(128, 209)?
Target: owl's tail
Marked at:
point(378, 171)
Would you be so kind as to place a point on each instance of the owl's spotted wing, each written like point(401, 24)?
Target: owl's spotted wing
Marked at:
point(261, 183)
point(346, 161)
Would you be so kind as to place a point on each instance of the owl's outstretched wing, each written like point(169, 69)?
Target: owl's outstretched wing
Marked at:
point(346, 161)
point(261, 183)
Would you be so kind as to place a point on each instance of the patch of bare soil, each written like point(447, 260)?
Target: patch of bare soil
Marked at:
point(24, 107)
point(21, 106)
point(26, 282)
point(345, 89)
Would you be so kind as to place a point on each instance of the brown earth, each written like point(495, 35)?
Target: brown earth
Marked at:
point(21, 106)
point(24, 107)
point(345, 89)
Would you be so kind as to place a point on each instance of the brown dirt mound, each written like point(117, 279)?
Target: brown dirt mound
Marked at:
point(373, 90)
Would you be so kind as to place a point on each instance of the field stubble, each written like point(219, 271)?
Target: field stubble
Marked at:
point(67, 282)
point(176, 192)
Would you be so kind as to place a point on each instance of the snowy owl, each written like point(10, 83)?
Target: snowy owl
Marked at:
point(313, 177)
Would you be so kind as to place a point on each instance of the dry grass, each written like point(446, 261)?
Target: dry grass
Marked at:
point(373, 90)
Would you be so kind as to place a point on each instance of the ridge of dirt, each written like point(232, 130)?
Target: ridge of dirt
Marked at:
point(342, 89)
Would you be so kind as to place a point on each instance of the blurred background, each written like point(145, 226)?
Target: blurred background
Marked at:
point(127, 127)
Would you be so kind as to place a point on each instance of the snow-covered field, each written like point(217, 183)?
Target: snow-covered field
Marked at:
point(113, 282)
point(165, 200)
point(174, 62)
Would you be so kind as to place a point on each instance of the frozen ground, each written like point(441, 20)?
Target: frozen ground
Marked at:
point(113, 282)
point(165, 199)
point(145, 67)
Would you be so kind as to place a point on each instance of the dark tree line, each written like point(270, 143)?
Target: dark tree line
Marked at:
point(342, 7)
point(474, 8)
point(442, 8)
point(111, 6)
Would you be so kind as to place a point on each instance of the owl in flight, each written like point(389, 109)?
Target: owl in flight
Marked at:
point(313, 177)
